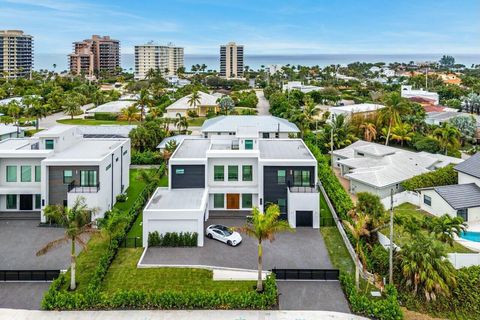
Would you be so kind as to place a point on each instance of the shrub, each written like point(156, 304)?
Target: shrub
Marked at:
point(146, 157)
point(440, 177)
point(122, 197)
point(106, 116)
point(172, 239)
point(427, 144)
point(192, 113)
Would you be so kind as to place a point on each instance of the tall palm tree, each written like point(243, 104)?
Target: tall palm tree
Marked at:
point(194, 100)
point(144, 101)
point(358, 228)
point(342, 132)
point(14, 112)
point(402, 132)
point(77, 223)
point(369, 131)
point(37, 110)
point(394, 106)
point(169, 149)
point(130, 113)
point(181, 123)
point(448, 136)
point(263, 227)
point(72, 104)
point(445, 228)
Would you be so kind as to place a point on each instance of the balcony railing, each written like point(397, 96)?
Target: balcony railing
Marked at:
point(74, 188)
point(303, 189)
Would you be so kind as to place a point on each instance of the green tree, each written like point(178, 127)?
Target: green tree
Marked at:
point(129, 113)
point(226, 104)
point(394, 105)
point(447, 61)
point(448, 136)
point(467, 125)
point(264, 226)
point(445, 228)
point(342, 132)
point(194, 99)
point(181, 123)
point(113, 224)
point(37, 110)
point(402, 132)
point(472, 103)
point(144, 101)
point(72, 104)
point(14, 111)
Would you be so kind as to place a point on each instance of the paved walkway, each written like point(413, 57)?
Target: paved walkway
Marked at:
point(8, 314)
point(263, 106)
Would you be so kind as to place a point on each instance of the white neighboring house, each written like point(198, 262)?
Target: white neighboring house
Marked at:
point(261, 126)
point(409, 92)
point(8, 131)
point(182, 106)
point(378, 169)
point(57, 166)
point(298, 85)
point(229, 175)
point(177, 82)
point(364, 109)
point(462, 199)
point(113, 107)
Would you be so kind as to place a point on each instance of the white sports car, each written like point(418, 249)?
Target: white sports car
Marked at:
point(223, 234)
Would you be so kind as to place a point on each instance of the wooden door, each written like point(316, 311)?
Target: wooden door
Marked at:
point(233, 201)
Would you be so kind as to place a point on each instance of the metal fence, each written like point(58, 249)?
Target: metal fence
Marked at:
point(131, 243)
point(28, 275)
point(306, 274)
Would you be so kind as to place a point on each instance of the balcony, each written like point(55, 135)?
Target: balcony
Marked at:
point(303, 189)
point(75, 188)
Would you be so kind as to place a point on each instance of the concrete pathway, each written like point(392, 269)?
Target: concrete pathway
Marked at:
point(263, 106)
point(8, 314)
point(51, 120)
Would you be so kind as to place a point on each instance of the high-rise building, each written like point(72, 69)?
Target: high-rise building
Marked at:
point(16, 54)
point(231, 60)
point(167, 59)
point(94, 56)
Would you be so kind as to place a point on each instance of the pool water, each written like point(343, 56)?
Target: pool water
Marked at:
point(470, 235)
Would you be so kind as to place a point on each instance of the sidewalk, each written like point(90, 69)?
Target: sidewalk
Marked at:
point(7, 314)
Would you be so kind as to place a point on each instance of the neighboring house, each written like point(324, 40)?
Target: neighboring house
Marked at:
point(113, 107)
point(6, 101)
point(462, 199)
point(378, 169)
point(182, 106)
point(409, 92)
point(363, 109)
point(259, 126)
point(8, 131)
point(178, 139)
point(297, 85)
point(177, 82)
point(105, 131)
point(228, 176)
point(439, 118)
point(57, 166)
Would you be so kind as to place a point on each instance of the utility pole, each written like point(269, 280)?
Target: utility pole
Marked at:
point(331, 145)
point(390, 262)
point(426, 78)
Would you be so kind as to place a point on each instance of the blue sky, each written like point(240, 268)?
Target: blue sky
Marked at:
point(263, 26)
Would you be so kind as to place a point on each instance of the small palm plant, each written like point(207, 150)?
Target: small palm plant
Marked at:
point(264, 226)
point(77, 223)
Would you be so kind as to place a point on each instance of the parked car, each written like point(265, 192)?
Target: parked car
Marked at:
point(223, 234)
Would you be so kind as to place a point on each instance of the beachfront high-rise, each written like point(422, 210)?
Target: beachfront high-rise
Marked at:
point(231, 61)
point(16, 54)
point(95, 56)
point(167, 59)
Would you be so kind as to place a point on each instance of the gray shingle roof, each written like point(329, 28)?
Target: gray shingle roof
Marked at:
point(471, 166)
point(460, 196)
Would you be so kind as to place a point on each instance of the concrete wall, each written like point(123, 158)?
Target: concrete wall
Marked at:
point(357, 186)
point(439, 207)
point(465, 178)
point(298, 201)
point(401, 198)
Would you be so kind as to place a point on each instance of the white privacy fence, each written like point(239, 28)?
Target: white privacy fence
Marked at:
point(385, 241)
point(461, 260)
point(401, 198)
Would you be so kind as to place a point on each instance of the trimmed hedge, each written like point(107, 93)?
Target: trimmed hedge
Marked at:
point(385, 308)
point(440, 177)
point(106, 116)
point(172, 239)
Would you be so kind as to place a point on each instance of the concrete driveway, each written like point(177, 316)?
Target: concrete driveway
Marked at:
point(21, 239)
point(302, 249)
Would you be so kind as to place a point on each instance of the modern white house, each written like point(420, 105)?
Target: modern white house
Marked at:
point(182, 106)
point(9, 131)
point(298, 85)
point(57, 166)
point(462, 199)
point(364, 109)
point(409, 92)
point(378, 169)
point(265, 126)
point(228, 176)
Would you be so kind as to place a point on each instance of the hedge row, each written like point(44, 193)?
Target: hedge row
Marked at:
point(440, 177)
point(385, 308)
point(146, 157)
point(106, 116)
point(172, 239)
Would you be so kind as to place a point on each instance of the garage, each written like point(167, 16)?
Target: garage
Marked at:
point(304, 218)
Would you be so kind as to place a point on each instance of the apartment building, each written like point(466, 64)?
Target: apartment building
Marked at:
point(96, 55)
point(228, 176)
point(16, 54)
point(59, 165)
point(165, 58)
point(231, 61)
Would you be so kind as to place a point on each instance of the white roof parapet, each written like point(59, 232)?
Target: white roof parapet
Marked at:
point(262, 123)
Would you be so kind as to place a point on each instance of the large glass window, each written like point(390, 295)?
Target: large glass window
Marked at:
point(246, 200)
point(218, 173)
point(427, 200)
point(49, 144)
point(11, 173)
point(463, 213)
point(67, 176)
point(26, 174)
point(305, 178)
point(248, 144)
point(219, 200)
point(282, 204)
point(232, 173)
point(88, 178)
point(247, 173)
point(281, 176)
point(11, 201)
point(38, 201)
point(297, 178)
point(38, 173)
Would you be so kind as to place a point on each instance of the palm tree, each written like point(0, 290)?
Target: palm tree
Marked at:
point(130, 113)
point(425, 267)
point(169, 149)
point(448, 136)
point(445, 228)
point(143, 101)
point(77, 223)
point(358, 228)
point(14, 111)
point(402, 132)
point(394, 105)
point(194, 100)
point(37, 110)
point(72, 104)
point(342, 132)
point(113, 224)
point(263, 227)
point(181, 122)
point(369, 131)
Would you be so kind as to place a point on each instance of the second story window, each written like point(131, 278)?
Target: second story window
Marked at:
point(26, 173)
point(247, 173)
point(67, 176)
point(301, 178)
point(232, 173)
point(38, 173)
point(218, 173)
point(281, 176)
point(49, 144)
point(248, 144)
point(11, 173)
point(88, 178)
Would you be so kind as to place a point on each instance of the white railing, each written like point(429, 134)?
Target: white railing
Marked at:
point(401, 198)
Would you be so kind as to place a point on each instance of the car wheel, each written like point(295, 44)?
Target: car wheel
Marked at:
point(209, 236)
point(229, 243)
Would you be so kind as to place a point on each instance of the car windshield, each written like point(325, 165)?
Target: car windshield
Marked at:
point(225, 230)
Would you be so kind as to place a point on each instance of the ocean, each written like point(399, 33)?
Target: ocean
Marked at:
point(46, 61)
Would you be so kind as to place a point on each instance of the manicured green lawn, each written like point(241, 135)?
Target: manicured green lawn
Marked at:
point(123, 274)
point(401, 237)
point(93, 122)
point(196, 122)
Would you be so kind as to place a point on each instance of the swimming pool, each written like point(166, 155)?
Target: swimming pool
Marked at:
point(470, 235)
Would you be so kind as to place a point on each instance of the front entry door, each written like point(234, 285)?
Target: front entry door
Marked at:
point(233, 201)
point(26, 202)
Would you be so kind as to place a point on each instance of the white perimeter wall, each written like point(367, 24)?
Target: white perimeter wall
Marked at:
point(298, 201)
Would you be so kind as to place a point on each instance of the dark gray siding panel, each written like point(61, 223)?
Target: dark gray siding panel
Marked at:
point(57, 190)
point(193, 176)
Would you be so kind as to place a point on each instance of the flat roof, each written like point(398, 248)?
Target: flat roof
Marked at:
point(262, 123)
point(87, 149)
point(177, 199)
point(284, 149)
point(7, 129)
point(55, 131)
point(356, 108)
point(192, 149)
point(14, 144)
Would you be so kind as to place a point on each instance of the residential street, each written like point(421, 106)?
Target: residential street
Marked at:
point(51, 120)
point(263, 106)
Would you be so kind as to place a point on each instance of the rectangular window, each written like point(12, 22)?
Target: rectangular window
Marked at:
point(463, 213)
point(38, 173)
point(67, 176)
point(11, 173)
point(265, 135)
point(179, 171)
point(277, 135)
point(26, 174)
point(248, 144)
point(108, 167)
point(297, 178)
point(427, 200)
point(38, 201)
point(282, 204)
point(218, 173)
point(49, 144)
point(88, 178)
point(281, 176)
point(247, 173)
point(232, 173)
point(305, 178)
point(11, 201)
point(218, 200)
point(246, 200)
